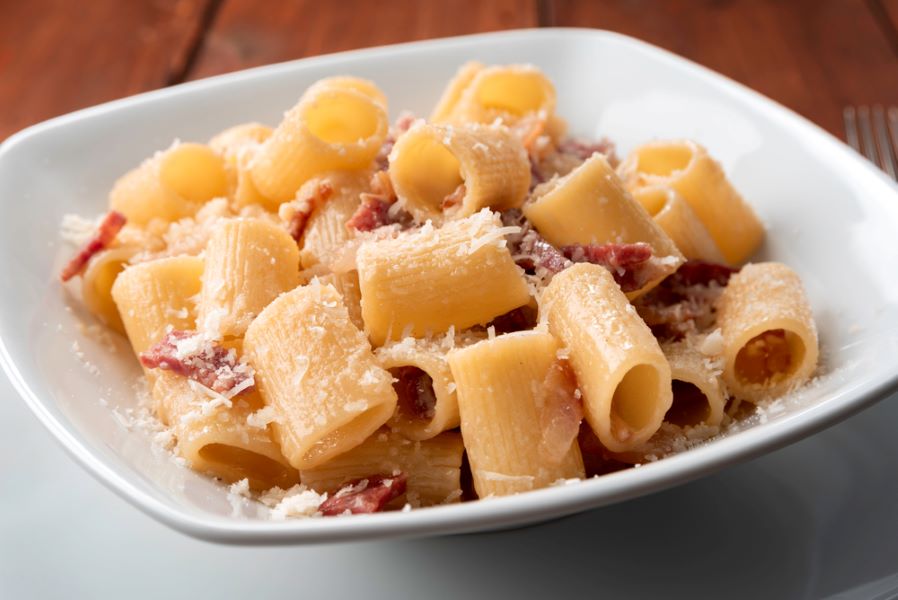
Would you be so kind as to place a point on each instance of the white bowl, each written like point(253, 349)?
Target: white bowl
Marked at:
point(831, 215)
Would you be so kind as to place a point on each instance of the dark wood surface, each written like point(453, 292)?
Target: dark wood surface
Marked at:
point(815, 56)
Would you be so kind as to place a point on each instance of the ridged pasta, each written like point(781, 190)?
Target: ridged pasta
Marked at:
point(770, 340)
point(348, 82)
point(454, 171)
point(171, 185)
point(332, 128)
point(505, 92)
point(429, 280)
point(433, 467)
point(326, 228)
point(154, 295)
point(499, 390)
point(687, 168)
point(424, 357)
point(679, 222)
point(698, 392)
point(97, 281)
point(317, 371)
point(214, 436)
point(589, 205)
point(248, 263)
point(347, 284)
point(448, 101)
point(622, 372)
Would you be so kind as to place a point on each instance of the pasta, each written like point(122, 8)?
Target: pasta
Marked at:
point(433, 467)
point(332, 128)
point(591, 206)
point(171, 185)
point(336, 316)
point(770, 340)
point(500, 396)
point(471, 278)
point(441, 170)
point(248, 263)
point(679, 222)
point(687, 168)
point(622, 372)
point(318, 373)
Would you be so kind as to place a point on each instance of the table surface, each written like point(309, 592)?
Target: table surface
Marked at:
point(816, 519)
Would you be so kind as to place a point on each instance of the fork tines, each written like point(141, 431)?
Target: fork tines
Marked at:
point(874, 133)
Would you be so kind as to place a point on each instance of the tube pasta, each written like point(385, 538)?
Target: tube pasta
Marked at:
point(430, 164)
point(470, 279)
point(214, 436)
point(326, 229)
point(318, 373)
point(698, 392)
point(332, 128)
point(504, 92)
point(770, 340)
point(452, 94)
point(499, 383)
point(679, 222)
point(154, 295)
point(624, 377)
point(590, 206)
point(97, 281)
point(347, 82)
point(687, 168)
point(347, 284)
point(433, 467)
point(426, 358)
point(248, 263)
point(171, 185)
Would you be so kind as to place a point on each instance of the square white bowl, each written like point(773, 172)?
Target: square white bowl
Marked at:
point(830, 215)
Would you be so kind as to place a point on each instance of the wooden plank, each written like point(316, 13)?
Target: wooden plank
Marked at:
point(887, 11)
point(814, 56)
point(246, 33)
point(57, 56)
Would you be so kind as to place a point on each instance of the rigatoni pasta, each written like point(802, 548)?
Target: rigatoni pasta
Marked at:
point(622, 372)
point(500, 396)
point(338, 317)
point(317, 371)
point(769, 336)
point(432, 279)
point(444, 171)
point(687, 168)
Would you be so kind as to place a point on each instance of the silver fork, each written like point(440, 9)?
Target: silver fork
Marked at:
point(874, 133)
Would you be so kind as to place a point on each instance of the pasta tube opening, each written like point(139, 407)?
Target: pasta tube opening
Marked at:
point(769, 357)
point(342, 118)
point(664, 161)
point(415, 392)
point(515, 91)
point(194, 172)
point(431, 186)
point(690, 405)
point(634, 402)
point(96, 285)
point(239, 463)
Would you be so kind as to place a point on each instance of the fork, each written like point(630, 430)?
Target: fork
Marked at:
point(874, 133)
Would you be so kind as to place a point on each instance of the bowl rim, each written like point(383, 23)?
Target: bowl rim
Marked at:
point(492, 513)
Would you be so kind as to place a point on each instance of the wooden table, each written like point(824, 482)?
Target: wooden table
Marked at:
point(814, 56)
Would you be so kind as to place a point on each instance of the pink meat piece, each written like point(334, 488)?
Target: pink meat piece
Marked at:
point(109, 227)
point(628, 263)
point(204, 361)
point(365, 496)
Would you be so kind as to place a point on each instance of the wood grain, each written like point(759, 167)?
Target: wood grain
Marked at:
point(57, 56)
point(246, 33)
point(813, 56)
point(886, 11)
